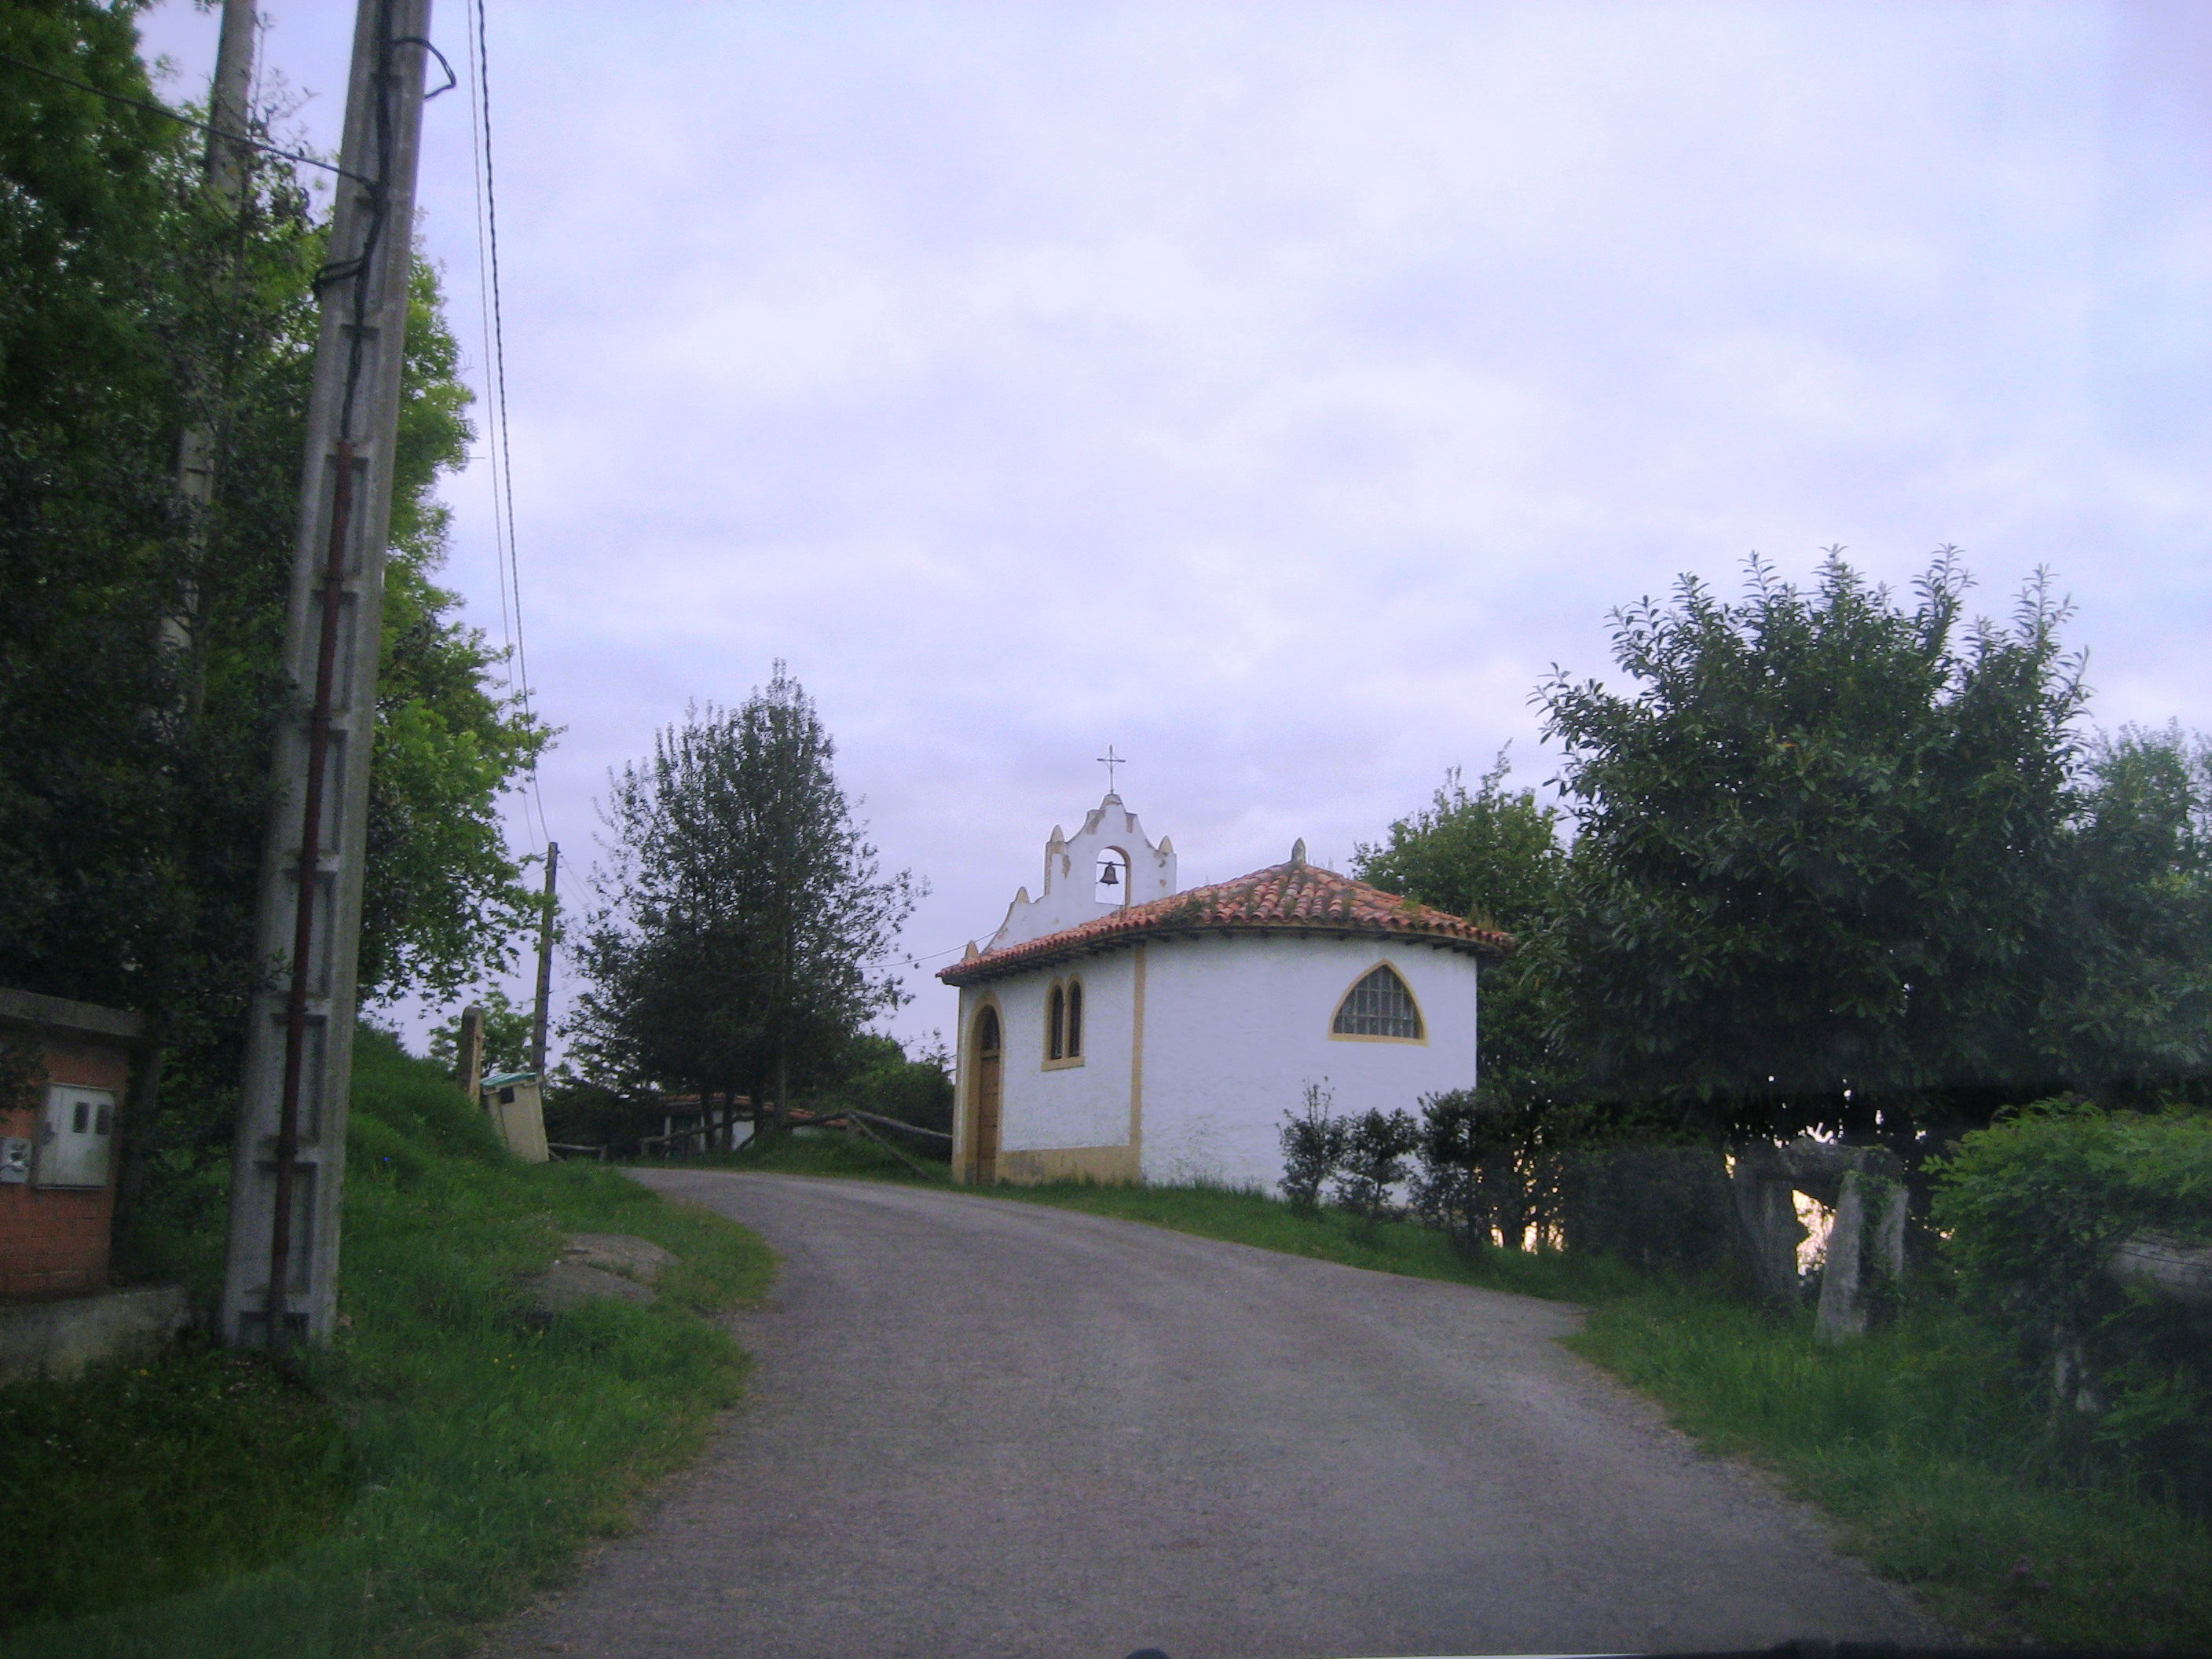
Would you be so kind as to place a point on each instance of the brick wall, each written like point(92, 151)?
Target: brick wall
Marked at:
point(54, 1241)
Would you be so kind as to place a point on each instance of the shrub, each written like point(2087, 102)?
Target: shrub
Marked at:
point(2035, 1206)
point(1490, 1161)
point(1375, 1146)
point(1313, 1146)
point(1470, 1184)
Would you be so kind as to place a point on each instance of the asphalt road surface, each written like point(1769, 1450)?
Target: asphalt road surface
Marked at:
point(981, 1430)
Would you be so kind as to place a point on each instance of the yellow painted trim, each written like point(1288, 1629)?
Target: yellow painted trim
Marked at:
point(1108, 1165)
point(970, 1123)
point(1420, 1012)
point(1137, 1067)
point(1064, 988)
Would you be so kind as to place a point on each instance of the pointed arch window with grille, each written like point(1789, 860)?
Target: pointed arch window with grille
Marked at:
point(1379, 1005)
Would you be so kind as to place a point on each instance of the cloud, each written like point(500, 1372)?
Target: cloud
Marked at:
point(1279, 390)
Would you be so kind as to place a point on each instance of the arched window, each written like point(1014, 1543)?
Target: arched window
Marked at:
point(1063, 1025)
point(987, 1033)
point(1379, 1005)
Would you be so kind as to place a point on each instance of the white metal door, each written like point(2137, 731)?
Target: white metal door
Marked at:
point(76, 1137)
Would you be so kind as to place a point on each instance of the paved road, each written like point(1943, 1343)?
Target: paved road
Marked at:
point(982, 1430)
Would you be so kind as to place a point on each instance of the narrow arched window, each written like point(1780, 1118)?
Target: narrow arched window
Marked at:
point(1075, 1019)
point(1055, 1024)
point(1380, 1005)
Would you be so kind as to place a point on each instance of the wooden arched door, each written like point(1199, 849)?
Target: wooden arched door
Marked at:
point(989, 1053)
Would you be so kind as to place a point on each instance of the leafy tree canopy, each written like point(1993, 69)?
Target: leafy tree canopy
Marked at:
point(744, 917)
point(1837, 854)
point(1841, 860)
point(1492, 855)
point(505, 1036)
point(133, 776)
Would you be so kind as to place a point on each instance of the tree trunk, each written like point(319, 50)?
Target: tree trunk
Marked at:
point(771, 1116)
point(137, 1128)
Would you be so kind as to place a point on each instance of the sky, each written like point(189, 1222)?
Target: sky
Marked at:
point(1280, 393)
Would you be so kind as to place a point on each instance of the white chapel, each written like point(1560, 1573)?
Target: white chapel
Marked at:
point(1117, 1028)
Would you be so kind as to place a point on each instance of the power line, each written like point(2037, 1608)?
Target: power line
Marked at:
point(503, 477)
point(483, 321)
point(201, 126)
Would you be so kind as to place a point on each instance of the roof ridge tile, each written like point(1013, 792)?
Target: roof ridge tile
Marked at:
point(1290, 896)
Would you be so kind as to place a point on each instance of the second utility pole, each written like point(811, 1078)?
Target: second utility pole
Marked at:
point(544, 961)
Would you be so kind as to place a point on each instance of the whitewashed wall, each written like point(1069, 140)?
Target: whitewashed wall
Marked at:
point(1069, 895)
point(1085, 1105)
point(1234, 1029)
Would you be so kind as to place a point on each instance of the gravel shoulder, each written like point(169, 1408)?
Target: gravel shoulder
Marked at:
point(990, 1430)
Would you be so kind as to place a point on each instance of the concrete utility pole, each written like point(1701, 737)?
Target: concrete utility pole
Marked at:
point(225, 182)
point(226, 101)
point(288, 1163)
point(544, 961)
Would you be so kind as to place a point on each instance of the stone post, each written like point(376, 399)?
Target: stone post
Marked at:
point(468, 1063)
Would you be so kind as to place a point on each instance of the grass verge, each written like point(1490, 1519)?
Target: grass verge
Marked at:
point(1915, 1440)
point(421, 1474)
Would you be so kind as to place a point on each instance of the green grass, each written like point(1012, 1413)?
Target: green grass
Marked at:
point(111, 1474)
point(1243, 1217)
point(439, 1460)
point(1919, 1445)
point(1915, 1440)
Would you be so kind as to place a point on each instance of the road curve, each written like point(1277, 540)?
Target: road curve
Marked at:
point(981, 1430)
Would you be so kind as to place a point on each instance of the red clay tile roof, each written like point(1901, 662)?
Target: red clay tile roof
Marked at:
point(1295, 897)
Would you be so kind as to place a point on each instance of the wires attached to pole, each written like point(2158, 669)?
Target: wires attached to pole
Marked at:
point(499, 450)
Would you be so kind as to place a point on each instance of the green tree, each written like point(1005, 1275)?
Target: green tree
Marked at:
point(744, 917)
point(445, 904)
point(881, 1077)
point(2129, 1012)
point(1823, 849)
point(90, 196)
point(1493, 856)
point(506, 1038)
point(133, 780)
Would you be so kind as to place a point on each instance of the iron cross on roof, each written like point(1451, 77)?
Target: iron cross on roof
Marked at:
point(1109, 759)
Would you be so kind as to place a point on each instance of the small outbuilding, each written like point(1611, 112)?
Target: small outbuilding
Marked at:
point(515, 1102)
point(70, 1065)
point(1117, 1028)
